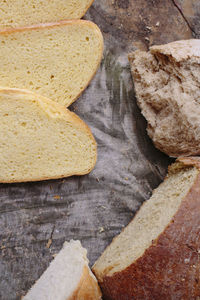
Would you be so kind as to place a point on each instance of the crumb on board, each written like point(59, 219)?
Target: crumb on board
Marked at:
point(101, 229)
point(48, 245)
point(56, 197)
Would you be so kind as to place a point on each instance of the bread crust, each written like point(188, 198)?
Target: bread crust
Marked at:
point(65, 114)
point(170, 268)
point(88, 288)
point(44, 26)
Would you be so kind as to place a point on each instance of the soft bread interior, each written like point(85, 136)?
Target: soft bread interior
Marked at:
point(56, 61)
point(150, 221)
point(63, 276)
point(20, 13)
point(41, 139)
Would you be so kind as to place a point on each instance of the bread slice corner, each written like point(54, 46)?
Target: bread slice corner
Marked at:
point(68, 277)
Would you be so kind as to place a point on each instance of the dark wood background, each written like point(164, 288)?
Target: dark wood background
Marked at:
point(36, 218)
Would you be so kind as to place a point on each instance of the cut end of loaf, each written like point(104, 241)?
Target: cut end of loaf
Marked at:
point(149, 223)
point(41, 140)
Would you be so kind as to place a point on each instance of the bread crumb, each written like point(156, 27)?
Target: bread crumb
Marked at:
point(101, 229)
point(48, 245)
point(157, 24)
point(57, 197)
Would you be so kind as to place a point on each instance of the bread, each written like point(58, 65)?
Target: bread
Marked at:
point(21, 13)
point(67, 278)
point(56, 60)
point(40, 139)
point(156, 257)
point(167, 81)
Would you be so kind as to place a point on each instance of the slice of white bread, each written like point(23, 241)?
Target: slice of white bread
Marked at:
point(67, 278)
point(56, 60)
point(21, 13)
point(167, 85)
point(41, 139)
point(157, 256)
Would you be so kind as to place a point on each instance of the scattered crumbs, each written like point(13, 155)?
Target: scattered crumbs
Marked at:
point(3, 247)
point(186, 260)
point(101, 229)
point(194, 266)
point(57, 197)
point(104, 207)
point(148, 27)
point(146, 39)
point(54, 255)
point(48, 245)
point(126, 178)
point(97, 179)
point(157, 24)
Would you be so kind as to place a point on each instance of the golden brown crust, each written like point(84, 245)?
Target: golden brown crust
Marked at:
point(63, 23)
point(88, 288)
point(170, 268)
point(65, 114)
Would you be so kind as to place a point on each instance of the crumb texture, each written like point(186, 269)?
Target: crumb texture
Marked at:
point(21, 13)
point(55, 60)
point(167, 87)
point(66, 276)
point(41, 140)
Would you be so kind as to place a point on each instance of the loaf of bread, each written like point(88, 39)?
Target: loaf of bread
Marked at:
point(67, 278)
point(157, 256)
point(167, 85)
point(21, 13)
point(41, 139)
point(56, 60)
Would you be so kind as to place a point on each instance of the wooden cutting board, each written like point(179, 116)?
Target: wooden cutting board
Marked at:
point(36, 218)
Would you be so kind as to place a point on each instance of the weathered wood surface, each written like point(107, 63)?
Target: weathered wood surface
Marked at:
point(94, 208)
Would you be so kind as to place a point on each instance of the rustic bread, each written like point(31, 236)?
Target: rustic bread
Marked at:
point(56, 60)
point(157, 255)
point(40, 139)
point(21, 13)
point(167, 85)
point(68, 277)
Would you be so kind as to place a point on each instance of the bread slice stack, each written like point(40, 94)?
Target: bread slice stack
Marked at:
point(157, 255)
point(68, 277)
point(41, 139)
point(20, 13)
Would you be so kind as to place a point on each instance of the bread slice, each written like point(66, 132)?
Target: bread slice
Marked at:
point(68, 277)
point(167, 81)
point(21, 13)
point(157, 255)
point(56, 60)
point(40, 139)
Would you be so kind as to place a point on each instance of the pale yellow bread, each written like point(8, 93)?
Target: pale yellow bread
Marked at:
point(67, 278)
point(41, 139)
point(56, 60)
point(21, 13)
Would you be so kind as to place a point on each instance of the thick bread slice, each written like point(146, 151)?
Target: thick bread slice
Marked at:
point(21, 13)
point(67, 278)
point(167, 85)
point(157, 256)
point(40, 139)
point(56, 60)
